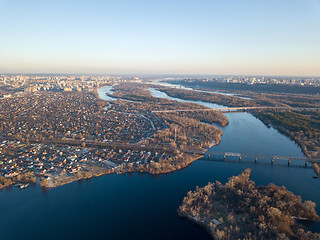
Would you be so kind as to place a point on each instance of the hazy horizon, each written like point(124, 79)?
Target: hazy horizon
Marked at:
point(267, 38)
point(156, 75)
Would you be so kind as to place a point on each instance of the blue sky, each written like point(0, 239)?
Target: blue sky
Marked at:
point(266, 37)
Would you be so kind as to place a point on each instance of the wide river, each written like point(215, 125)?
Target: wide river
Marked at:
point(141, 206)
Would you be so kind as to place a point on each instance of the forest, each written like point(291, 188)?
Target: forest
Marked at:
point(302, 127)
point(241, 210)
point(260, 88)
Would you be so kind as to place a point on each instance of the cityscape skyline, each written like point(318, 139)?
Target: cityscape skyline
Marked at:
point(148, 37)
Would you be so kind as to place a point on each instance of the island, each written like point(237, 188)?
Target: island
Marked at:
point(241, 210)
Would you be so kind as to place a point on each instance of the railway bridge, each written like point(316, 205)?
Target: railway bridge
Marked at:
point(224, 156)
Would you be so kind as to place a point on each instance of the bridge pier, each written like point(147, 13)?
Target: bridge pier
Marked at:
point(235, 156)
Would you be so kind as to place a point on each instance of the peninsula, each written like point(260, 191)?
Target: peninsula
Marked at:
point(54, 131)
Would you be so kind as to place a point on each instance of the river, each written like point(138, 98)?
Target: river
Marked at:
point(166, 83)
point(141, 206)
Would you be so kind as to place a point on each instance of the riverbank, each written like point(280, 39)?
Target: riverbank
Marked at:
point(65, 178)
point(166, 166)
point(304, 128)
point(55, 164)
point(126, 137)
point(153, 197)
point(53, 180)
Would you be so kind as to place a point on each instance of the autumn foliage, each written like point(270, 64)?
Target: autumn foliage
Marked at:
point(241, 210)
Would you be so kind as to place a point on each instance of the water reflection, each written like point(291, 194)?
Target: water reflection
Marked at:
point(141, 206)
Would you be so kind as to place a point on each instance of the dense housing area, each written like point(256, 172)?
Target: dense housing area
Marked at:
point(53, 135)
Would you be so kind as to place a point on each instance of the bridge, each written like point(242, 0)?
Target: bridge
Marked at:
point(218, 156)
point(235, 109)
point(212, 156)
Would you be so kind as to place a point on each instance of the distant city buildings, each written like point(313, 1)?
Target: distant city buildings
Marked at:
point(17, 85)
point(301, 81)
point(275, 80)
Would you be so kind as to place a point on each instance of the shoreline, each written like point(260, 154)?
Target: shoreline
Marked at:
point(240, 208)
point(69, 179)
point(280, 128)
point(163, 167)
point(269, 123)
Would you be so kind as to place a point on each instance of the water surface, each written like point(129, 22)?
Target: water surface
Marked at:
point(135, 206)
point(141, 206)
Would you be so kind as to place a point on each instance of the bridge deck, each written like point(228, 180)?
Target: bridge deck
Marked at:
point(224, 155)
